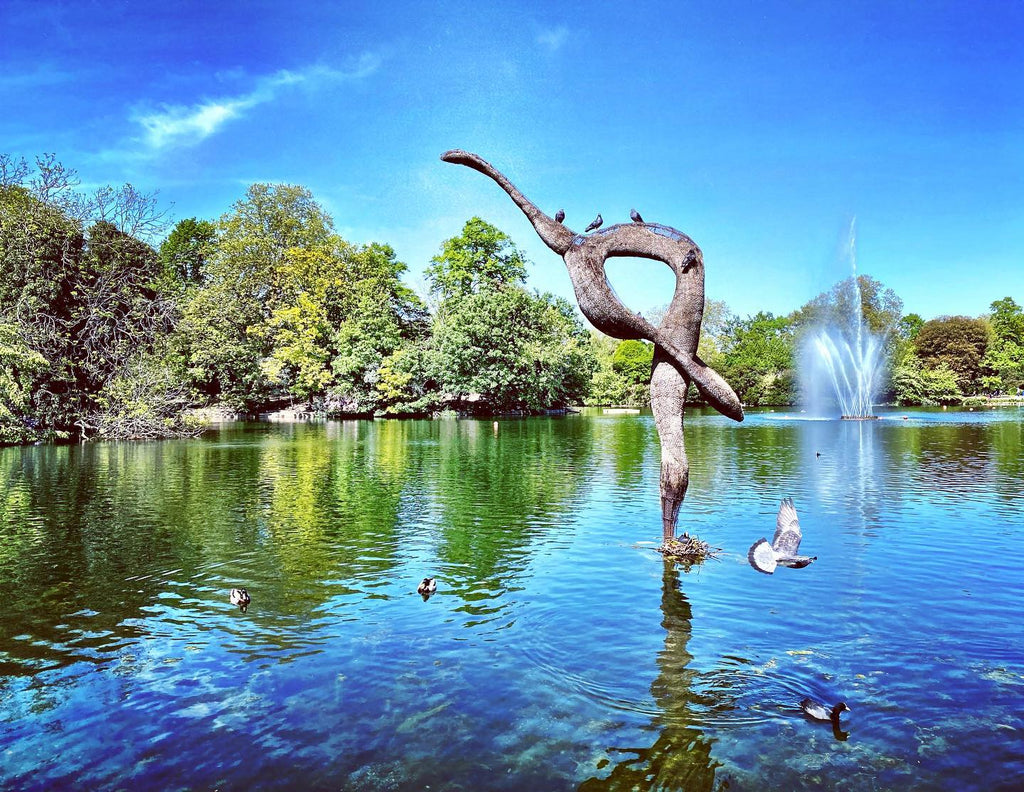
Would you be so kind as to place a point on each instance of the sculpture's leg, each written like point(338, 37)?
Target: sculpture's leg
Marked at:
point(668, 397)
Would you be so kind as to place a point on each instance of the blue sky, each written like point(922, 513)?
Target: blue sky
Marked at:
point(761, 129)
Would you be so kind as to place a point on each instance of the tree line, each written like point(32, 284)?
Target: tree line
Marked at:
point(110, 326)
point(947, 360)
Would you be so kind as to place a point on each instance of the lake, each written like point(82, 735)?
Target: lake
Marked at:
point(560, 651)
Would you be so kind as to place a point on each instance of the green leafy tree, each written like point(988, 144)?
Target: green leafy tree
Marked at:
point(42, 294)
point(19, 366)
point(403, 384)
point(607, 386)
point(492, 340)
point(631, 373)
point(512, 350)
point(909, 326)
point(903, 347)
point(632, 359)
point(1003, 364)
point(880, 307)
point(289, 310)
point(1008, 320)
point(759, 358)
point(386, 316)
point(275, 245)
point(960, 343)
point(481, 256)
point(86, 303)
point(915, 384)
point(185, 251)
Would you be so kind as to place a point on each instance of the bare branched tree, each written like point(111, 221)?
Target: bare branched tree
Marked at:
point(54, 184)
point(13, 172)
point(126, 208)
point(130, 211)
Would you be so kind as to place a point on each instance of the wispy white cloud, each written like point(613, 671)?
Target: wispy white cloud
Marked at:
point(172, 126)
point(177, 126)
point(553, 38)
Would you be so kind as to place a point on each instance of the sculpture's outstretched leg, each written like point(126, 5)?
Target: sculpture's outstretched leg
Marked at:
point(668, 397)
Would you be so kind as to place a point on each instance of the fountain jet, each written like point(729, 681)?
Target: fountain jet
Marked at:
point(848, 353)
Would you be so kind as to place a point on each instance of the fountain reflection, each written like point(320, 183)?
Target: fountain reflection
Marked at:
point(680, 757)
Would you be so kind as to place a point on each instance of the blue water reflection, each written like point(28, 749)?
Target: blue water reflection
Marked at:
point(560, 651)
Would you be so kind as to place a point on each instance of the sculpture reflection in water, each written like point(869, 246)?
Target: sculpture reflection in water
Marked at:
point(676, 363)
point(680, 757)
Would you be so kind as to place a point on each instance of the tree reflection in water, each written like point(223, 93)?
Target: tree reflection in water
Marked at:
point(681, 756)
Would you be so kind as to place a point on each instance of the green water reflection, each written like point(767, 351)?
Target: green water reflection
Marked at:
point(560, 652)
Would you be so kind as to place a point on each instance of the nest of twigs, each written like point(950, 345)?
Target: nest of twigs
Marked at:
point(688, 549)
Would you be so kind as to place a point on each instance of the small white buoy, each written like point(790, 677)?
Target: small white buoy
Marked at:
point(495, 427)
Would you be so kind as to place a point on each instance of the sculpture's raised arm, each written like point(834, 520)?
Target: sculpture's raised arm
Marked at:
point(555, 236)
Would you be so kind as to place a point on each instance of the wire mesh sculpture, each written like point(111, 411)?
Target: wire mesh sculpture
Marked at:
point(676, 363)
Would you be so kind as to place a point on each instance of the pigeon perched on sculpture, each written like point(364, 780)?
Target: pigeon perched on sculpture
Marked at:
point(676, 364)
point(594, 224)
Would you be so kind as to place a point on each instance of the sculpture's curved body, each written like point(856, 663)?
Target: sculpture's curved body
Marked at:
point(675, 354)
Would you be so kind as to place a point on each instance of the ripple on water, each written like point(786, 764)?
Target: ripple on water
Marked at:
point(555, 650)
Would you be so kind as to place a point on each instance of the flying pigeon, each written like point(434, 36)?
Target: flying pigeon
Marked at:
point(559, 216)
point(634, 215)
point(782, 551)
point(595, 225)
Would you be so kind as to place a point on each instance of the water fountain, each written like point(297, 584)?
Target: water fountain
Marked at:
point(845, 353)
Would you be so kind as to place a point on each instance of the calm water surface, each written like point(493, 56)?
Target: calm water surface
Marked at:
point(560, 651)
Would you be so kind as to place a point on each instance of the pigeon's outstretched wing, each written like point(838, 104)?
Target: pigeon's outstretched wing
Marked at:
point(762, 557)
point(787, 530)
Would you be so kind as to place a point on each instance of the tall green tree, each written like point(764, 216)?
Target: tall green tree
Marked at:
point(511, 350)
point(606, 385)
point(87, 303)
point(287, 309)
point(492, 340)
point(274, 249)
point(914, 384)
point(1003, 364)
point(759, 359)
point(960, 343)
point(386, 318)
point(632, 359)
point(880, 308)
point(481, 256)
point(186, 249)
